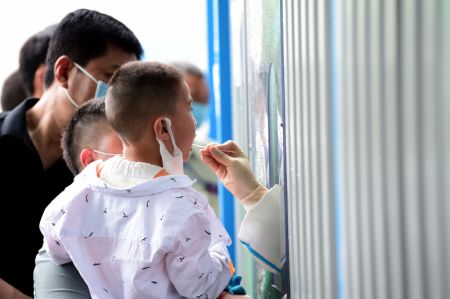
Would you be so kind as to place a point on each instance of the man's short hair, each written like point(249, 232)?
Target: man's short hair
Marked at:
point(13, 91)
point(188, 68)
point(33, 54)
point(84, 35)
point(140, 92)
point(85, 129)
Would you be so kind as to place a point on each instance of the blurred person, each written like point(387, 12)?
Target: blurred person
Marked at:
point(200, 94)
point(32, 65)
point(85, 50)
point(13, 91)
point(168, 234)
point(206, 180)
point(28, 80)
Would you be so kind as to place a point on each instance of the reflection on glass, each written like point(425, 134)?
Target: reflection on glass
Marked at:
point(263, 79)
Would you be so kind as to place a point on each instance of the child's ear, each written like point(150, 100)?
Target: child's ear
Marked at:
point(86, 156)
point(160, 128)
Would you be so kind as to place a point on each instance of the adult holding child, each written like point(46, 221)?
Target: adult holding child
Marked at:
point(85, 50)
point(133, 225)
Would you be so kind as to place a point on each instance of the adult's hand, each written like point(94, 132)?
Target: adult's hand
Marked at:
point(232, 167)
point(8, 291)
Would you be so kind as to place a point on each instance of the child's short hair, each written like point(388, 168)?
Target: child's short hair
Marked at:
point(85, 128)
point(139, 92)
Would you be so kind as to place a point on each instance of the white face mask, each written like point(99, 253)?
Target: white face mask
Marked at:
point(102, 87)
point(172, 163)
point(100, 92)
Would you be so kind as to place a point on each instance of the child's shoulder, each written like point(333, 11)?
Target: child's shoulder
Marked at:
point(184, 201)
point(89, 173)
point(68, 197)
point(81, 182)
point(186, 197)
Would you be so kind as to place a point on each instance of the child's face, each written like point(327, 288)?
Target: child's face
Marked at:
point(183, 123)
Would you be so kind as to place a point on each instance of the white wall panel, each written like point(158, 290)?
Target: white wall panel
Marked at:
point(380, 71)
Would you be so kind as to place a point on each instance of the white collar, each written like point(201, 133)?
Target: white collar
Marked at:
point(118, 169)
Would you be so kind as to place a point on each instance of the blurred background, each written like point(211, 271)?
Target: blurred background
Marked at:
point(169, 30)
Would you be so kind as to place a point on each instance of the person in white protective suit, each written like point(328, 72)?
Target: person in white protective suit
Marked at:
point(261, 230)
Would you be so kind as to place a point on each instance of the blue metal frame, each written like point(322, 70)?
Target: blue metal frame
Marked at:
point(219, 69)
point(211, 59)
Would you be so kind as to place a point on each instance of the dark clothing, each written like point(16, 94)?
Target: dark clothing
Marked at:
point(25, 191)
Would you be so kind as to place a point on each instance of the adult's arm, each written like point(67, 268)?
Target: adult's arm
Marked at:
point(261, 229)
point(8, 291)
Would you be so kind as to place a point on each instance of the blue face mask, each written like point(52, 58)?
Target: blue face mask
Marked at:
point(102, 87)
point(200, 112)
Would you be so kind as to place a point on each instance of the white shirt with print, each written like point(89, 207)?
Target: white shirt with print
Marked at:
point(158, 238)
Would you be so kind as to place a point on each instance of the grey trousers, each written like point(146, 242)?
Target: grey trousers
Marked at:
point(52, 281)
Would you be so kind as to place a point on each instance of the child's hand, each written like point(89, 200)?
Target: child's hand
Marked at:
point(231, 166)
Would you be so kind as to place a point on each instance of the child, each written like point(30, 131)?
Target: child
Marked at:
point(132, 225)
point(89, 137)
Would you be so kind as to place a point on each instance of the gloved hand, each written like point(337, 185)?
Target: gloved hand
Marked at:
point(232, 167)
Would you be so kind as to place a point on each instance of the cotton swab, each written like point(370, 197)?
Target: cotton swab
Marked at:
point(203, 147)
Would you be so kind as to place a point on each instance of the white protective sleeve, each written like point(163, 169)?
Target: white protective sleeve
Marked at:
point(261, 230)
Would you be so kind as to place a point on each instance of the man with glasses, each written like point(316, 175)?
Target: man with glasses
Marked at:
point(85, 50)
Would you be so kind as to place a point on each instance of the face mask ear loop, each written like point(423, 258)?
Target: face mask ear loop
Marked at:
point(172, 137)
point(104, 153)
point(69, 98)
point(85, 72)
point(173, 163)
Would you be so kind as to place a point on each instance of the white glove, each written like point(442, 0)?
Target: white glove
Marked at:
point(232, 167)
